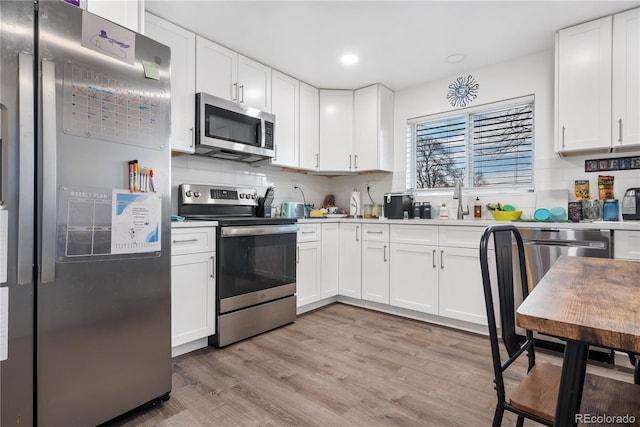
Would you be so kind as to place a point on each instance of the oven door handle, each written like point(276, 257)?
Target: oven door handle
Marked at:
point(260, 230)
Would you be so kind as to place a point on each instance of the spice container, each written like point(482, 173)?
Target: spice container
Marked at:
point(590, 210)
point(417, 210)
point(610, 210)
point(426, 211)
point(575, 211)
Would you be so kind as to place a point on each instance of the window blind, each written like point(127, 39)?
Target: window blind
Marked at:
point(487, 146)
point(503, 147)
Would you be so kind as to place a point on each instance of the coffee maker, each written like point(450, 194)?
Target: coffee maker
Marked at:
point(631, 204)
point(396, 204)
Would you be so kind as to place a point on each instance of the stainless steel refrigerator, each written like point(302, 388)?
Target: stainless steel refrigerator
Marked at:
point(84, 261)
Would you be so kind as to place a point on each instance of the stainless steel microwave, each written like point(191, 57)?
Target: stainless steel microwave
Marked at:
point(232, 131)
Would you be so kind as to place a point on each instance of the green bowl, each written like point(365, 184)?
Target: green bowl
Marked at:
point(506, 216)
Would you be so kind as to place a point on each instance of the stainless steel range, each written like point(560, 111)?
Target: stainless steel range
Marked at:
point(256, 261)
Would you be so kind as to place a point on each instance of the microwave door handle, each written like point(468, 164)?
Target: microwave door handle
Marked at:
point(263, 133)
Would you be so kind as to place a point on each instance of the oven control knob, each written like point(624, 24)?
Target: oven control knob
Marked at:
point(242, 195)
point(188, 193)
point(253, 196)
point(196, 194)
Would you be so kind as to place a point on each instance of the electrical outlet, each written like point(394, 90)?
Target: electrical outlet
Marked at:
point(372, 186)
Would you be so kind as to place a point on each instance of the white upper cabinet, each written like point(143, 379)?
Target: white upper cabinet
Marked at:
point(356, 130)
point(128, 13)
point(309, 154)
point(336, 130)
point(224, 73)
point(183, 77)
point(216, 69)
point(254, 84)
point(583, 58)
point(373, 129)
point(597, 84)
point(285, 97)
point(626, 80)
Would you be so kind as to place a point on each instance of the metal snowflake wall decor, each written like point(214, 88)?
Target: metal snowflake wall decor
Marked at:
point(462, 91)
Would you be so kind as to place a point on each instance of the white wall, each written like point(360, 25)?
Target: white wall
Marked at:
point(530, 75)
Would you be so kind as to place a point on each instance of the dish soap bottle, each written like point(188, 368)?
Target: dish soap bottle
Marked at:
point(477, 209)
point(444, 212)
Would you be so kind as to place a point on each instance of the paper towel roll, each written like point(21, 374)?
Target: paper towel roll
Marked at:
point(354, 204)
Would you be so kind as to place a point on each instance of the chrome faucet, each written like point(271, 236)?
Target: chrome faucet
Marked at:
point(457, 194)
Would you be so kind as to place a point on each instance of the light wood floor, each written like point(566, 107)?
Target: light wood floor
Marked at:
point(340, 366)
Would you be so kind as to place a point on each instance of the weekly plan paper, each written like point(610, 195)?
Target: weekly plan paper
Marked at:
point(135, 222)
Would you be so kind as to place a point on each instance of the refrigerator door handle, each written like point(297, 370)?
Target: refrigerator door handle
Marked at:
point(49, 162)
point(26, 167)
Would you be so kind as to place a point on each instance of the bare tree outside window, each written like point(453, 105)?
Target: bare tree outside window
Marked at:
point(492, 148)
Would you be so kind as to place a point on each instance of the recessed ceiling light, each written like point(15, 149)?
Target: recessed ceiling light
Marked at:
point(455, 58)
point(349, 59)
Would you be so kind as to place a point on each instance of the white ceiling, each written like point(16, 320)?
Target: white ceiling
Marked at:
point(400, 43)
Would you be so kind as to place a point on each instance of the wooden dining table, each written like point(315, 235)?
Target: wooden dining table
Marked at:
point(585, 301)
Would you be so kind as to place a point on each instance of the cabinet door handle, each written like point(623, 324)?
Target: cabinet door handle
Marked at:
point(374, 232)
point(317, 160)
point(355, 161)
point(234, 92)
point(441, 259)
point(275, 152)
point(357, 229)
point(349, 161)
point(213, 266)
point(433, 258)
point(563, 129)
point(241, 90)
point(307, 232)
point(192, 137)
point(297, 254)
point(385, 253)
point(185, 241)
point(620, 130)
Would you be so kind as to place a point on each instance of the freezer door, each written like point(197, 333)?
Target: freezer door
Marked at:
point(16, 194)
point(103, 304)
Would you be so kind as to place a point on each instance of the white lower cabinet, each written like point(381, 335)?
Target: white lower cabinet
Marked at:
point(375, 256)
point(330, 259)
point(350, 267)
point(461, 294)
point(460, 291)
point(626, 244)
point(308, 272)
point(414, 277)
point(193, 288)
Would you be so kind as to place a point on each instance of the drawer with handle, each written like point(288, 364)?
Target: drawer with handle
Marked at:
point(193, 240)
point(309, 232)
point(375, 232)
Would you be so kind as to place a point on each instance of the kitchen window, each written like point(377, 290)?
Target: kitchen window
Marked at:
point(488, 147)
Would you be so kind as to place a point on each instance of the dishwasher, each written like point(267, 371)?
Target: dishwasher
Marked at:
point(542, 247)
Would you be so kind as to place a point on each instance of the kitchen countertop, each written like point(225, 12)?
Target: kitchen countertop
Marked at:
point(599, 225)
point(189, 224)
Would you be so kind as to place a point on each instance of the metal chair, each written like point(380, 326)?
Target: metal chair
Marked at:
point(534, 398)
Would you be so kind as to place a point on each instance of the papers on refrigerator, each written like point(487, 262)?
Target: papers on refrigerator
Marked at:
point(135, 222)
